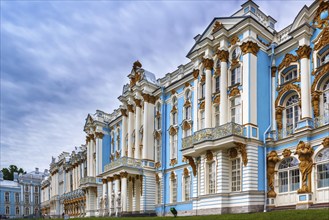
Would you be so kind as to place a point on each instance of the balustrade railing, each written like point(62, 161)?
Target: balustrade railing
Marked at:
point(212, 134)
point(88, 180)
point(321, 121)
point(128, 162)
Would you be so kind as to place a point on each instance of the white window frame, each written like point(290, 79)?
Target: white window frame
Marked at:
point(216, 115)
point(186, 186)
point(322, 159)
point(158, 149)
point(236, 75)
point(293, 73)
point(202, 119)
point(159, 194)
point(173, 146)
point(211, 177)
point(16, 197)
point(236, 107)
point(289, 174)
point(7, 210)
point(290, 124)
point(324, 109)
point(236, 175)
point(173, 190)
point(217, 84)
point(7, 197)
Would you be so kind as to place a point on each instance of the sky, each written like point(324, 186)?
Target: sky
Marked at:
point(61, 60)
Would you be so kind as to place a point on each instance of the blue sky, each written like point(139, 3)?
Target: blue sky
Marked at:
point(61, 60)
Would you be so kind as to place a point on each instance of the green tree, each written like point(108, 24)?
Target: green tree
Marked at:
point(8, 173)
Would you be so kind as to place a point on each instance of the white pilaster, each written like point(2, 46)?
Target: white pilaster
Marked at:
point(110, 190)
point(137, 128)
point(123, 132)
point(146, 122)
point(208, 64)
point(195, 99)
point(130, 129)
point(124, 191)
point(223, 107)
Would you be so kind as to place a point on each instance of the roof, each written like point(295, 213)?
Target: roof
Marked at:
point(8, 183)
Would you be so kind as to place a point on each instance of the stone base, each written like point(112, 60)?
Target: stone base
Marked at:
point(304, 200)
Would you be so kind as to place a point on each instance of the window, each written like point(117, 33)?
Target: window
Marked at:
point(324, 58)
point(217, 115)
point(236, 76)
point(187, 132)
point(203, 90)
point(36, 210)
point(187, 105)
point(17, 210)
point(246, 9)
point(6, 197)
point(289, 75)
point(202, 121)
point(253, 10)
point(236, 53)
point(7, 210)
point(212, 177)
point(174, 118)
point(27, 211)
point(16, 197)
point(235, 175)
point(112, 142)
point(322, 160)
point(217, 84)
point(118, 139)
point(158, 192)
point(36, 189)
point(188, 112)
point(292, 113)
point(187, 183)
point(158, 149)
point(173, 146)
point(288, 175)
point(236, 110)
point(326, 102)
point(173, 190)
point(26, 188)
point(36, 199)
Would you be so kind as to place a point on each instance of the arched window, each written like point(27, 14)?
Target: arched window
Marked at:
point(323, 56)
point(292, 113)
point(158, 149)
point(174, 112)
point(158, 116)
point(16, 197)
point(325, 105)
point(187, 183)
point(289, 74)
point(26, 188)
point(173, 144)
point(236, 75)
point(217, 116)
point(27, 211)
point(7, 210)
point(236, 53)
point(173, 190)
point(217, 84)
point(126, 141)
point(203, 90)
point(17, 210)
point(288, 175)
point(118, 139)
point(112, 142)
point(187, 105)
point(322, 168)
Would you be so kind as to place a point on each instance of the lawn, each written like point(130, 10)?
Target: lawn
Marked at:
point(316, 214)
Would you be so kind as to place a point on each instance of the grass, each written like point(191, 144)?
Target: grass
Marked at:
point(315, 214)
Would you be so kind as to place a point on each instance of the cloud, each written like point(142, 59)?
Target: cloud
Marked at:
point(64, 59)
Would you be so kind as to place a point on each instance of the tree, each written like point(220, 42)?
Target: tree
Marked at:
point(8, 173)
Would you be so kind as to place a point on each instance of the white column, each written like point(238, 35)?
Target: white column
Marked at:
point(146, 126)
point(249, 76)
point(195, 100)
point(124, 190)
point(123, 132)
point(130, 129)
point(137, 127)
point(208, 64)
point(304, 53)
point(109, 186)
point(223, 107)
point(116, 187)
point(99, 156)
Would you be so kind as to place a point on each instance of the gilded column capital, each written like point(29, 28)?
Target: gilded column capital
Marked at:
point(195, 73)
point(130, 108)
point(92, 137)
point(104, 181)
point(208, 63)
point(138, 103)
point(325, 142)
point(116, 177)
point(109, 179)
point(273, 71)
point(304, 52)
point(223, 55)
point(99, 135)
point(87, 139)
point(124, 112)
point(124, 175)
point(249, 47)
point(149, 98)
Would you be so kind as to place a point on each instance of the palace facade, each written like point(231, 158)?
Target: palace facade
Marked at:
point(242, 127)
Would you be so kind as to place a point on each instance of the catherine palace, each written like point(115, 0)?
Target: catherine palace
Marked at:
point(242, 127)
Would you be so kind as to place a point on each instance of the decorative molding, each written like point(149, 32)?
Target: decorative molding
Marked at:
point(157, 135)
point(286, 88)
point(249, 47)
point(243, 151)
point(112, 157)
point(234, 91)
point(217, 100)
point(234, 40)
point(323, 40)
point(173, 162)
point(278, 116)
point(319, 74)
point(217, 26)
point(202, 105)
point(157, 164)
point(304, 52)
point(117, 154)
point(186, 172)
point(192, 164)
point(209, 155)
point(234, 63)
point(172, 175)
point(87, 139)
point(286, 153)
point(186, 125)
point(187, 84)
point(137, 65)
point(172, 130)
point(195, 73)
point(305, 153)
point(272, 159)
point(173, 91)
point(92, 137)
point(157, 178)
point(317, 21)
point(287, 60)
point(325, 142)
point(208, 63)
point(273, 71)
point(315, 102)
point(222, 55)
point(116, 177)
point(187, 103)
point(109, 179)
point(232, 152)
